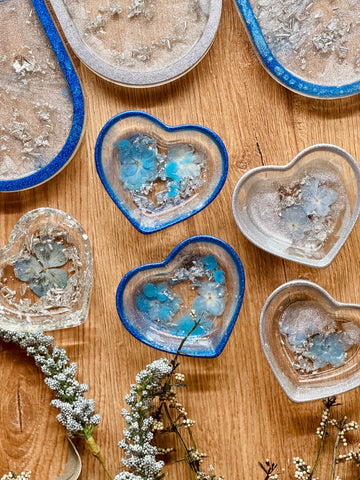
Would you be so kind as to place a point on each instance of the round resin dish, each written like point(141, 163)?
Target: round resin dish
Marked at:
point(42, 105)
point(311, 341)
point(159, 175)
point(309, 47)
point(139, 43)
point(203, 276)
point(46, 273)
point(303, 211)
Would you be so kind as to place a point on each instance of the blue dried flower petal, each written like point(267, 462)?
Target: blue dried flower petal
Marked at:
point(143, 303)
point(296, 222)
point(150, 290)
point(219, 276)
point(53, 278)
point(317, 199)
point(27, 268)
point(187, 162)
point(50, 254)
point(211, 299)
point(327, 350)
point(210, 262)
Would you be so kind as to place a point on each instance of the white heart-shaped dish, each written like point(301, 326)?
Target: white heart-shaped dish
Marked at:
point(303, 211)
point(46, 273)
point(311, 341)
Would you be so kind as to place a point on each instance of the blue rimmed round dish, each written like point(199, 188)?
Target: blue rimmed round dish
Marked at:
point(156, 174)
point(202, 278)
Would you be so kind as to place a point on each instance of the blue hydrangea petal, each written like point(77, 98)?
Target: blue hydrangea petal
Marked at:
point(184, 324)
point(53, 278)
point(128, 170)
point(150, 290)
point(143, 303)
point(171, 171)
point(199, 306)
point(219, 276)
point(27, 268)
point(296, 221)
point(50, 254)
point(327, 351)
point(210, 262)
point(327, 197)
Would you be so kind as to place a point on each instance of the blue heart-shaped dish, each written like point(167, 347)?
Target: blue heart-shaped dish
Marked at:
point(306, 51)
point(159, 175)
point(57, 91)
point(202, 274)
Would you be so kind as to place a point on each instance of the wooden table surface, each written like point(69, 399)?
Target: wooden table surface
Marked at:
point(242, 414)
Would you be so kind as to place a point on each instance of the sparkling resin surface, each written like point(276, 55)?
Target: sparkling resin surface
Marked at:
point(303, 211)
point(311, 341)
point(202, 277)
point(159, 175)
point(45, 273)
point(35, 100)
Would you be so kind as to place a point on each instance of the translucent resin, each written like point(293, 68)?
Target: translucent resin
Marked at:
point(204, 277)
point(311, 341)
point(310, 46)
point(46, 273)
point(139, 43)
point(303, 211)
point(42, 107)
point(159, 175)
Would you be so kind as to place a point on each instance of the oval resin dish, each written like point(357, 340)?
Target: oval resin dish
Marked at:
point(46, 273)
point(311, 341)
point(202, 275)
point(303, 211)
point(139, 43)
point(309, 47)
point(159, 175)
point(42, 106)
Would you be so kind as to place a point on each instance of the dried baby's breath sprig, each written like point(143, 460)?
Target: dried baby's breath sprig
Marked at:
point(154, 408)
point(269, 469)
point(13, 476)
point(76, 412)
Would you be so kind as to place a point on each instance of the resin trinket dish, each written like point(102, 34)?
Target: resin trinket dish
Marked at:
point(309, 47)
point(303, 211)
point(139, 44)
point(159, 175)
point(311, 341)
point(202, 276)
point(46, 273)
point(42, 105)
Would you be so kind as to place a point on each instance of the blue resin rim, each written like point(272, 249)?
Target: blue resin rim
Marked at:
point(276, 69)
point(158, 346)
point(75, 134)
point(135, 113)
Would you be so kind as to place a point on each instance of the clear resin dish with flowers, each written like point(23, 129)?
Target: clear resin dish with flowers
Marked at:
point(303, 211)
point(311, 341)
point(159, 175)
point(202, 277)
point(139, 43)
point(311, 47)
point(42, 106)
point(46, 273)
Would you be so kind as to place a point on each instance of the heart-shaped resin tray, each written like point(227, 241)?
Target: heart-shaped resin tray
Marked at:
point(202, 276)
point(42, 106)
point(139, 43)
point(46, 273)
point(310, 47)
point(311, 341)
point(303, 211)
point(159, 175)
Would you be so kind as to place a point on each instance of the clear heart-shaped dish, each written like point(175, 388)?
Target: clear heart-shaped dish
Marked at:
point(46, 273)
point(159, 175)
point(311, 341)
point(202, 278)
point(309, 47)
point(303, 211)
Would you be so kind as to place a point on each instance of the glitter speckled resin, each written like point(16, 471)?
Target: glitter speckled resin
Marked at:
point(46, 273)
point(159, 175)
point(202, 275)
point(303, 211)
point(139, 44)
point(311, 341)
point(310, 47)
point(41, 101)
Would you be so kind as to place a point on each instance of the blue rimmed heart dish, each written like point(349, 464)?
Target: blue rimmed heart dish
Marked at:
point(202, 278)
point(309, 48)
point(159, 175)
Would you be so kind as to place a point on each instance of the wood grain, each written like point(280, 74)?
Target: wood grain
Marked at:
point(242, 414)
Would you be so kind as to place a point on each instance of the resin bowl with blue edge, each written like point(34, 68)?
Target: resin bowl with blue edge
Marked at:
point(42, 115)
point(159, 175)
point(311, 341)
point(201, 279)
point(308, 47)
